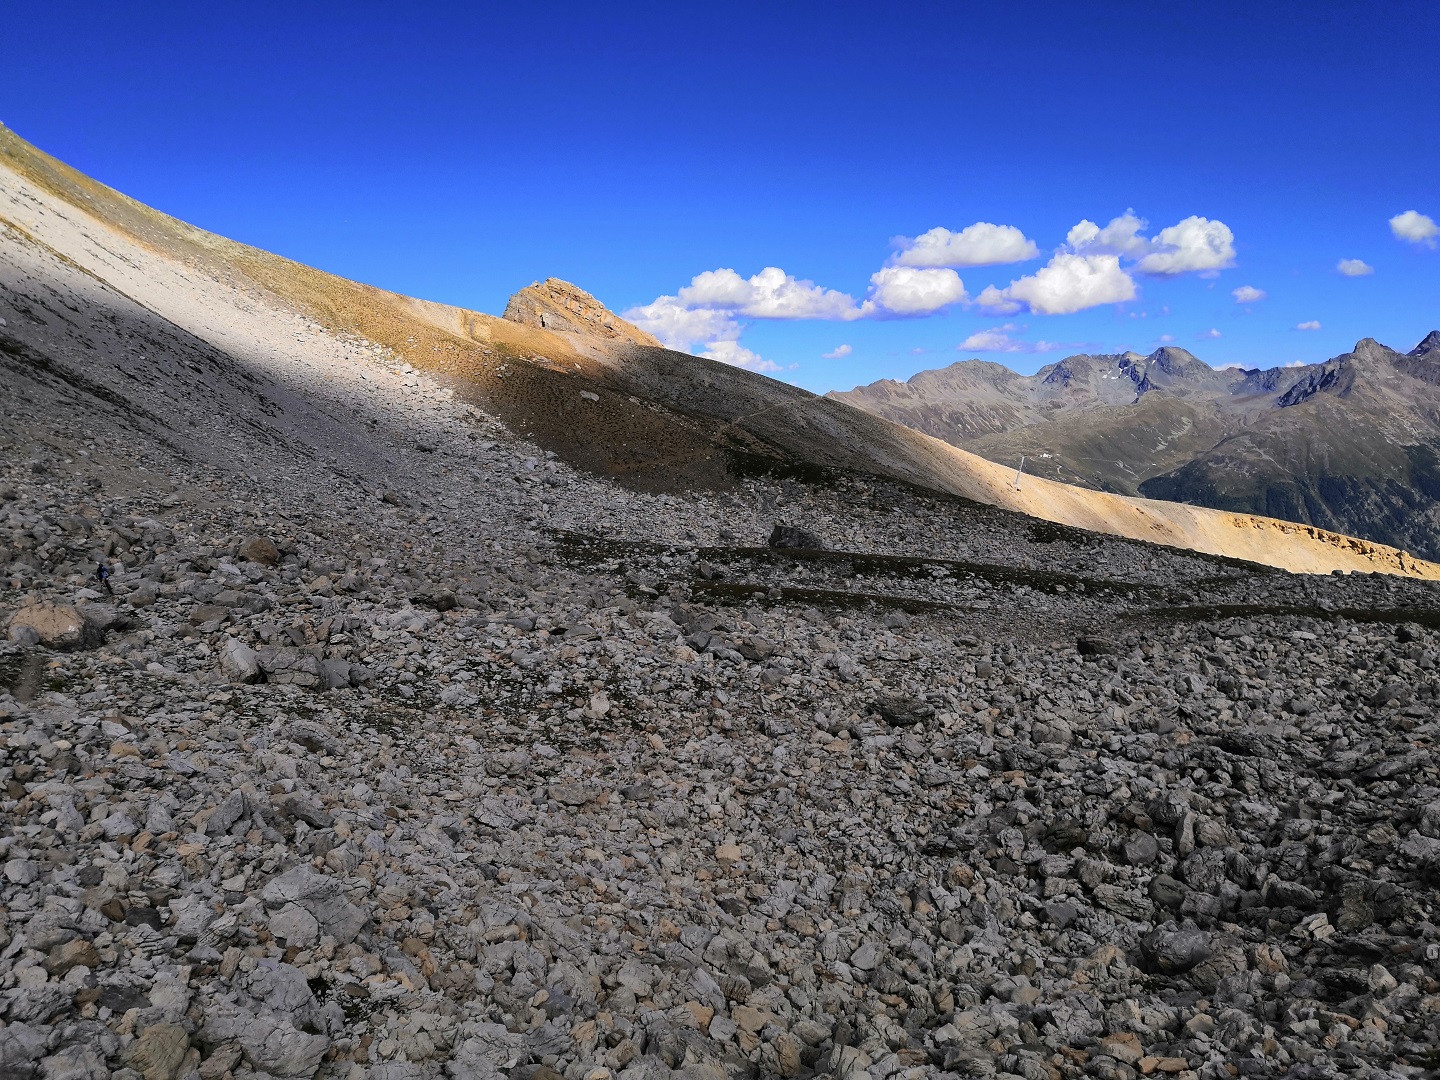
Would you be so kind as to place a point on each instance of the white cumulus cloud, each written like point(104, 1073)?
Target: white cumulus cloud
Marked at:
point(678, 326)
point(706, 317)
point(1248, 294)
point(981, 244)
point(716, 299)
point(999, 340)
point(1208, 335)
point(1354, 267)
point(837, 353)
point(1309, 324)
point(736, 355)
point(1066, 284)
point(770, 294)
point(909, 290)
point(997, 301)
point(1120, 237)
point(1195, 244)
point(1415, 227)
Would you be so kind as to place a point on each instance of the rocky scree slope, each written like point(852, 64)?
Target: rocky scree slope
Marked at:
point(1349, 444)
point(654, 419)
point(293, 803)
point(399, 747)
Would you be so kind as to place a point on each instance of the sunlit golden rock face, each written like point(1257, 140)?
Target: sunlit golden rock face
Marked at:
point(553, 304)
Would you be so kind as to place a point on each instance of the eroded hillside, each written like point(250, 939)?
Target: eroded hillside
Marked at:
point(658, 419)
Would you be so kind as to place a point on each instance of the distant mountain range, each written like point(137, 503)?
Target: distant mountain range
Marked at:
point(1351, 444)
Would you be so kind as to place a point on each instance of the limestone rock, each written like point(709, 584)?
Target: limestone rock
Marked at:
point(269, 1044)
point(239, 662)
point(159, 1051)
point(793, 536)
point(320, 896)
point(292, 667)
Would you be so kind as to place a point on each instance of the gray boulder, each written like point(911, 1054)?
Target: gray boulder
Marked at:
point(792, 536)
point(321, 897)
point(282, 989)
point(21, 1045)
point(294, 666)
point(239, 663)
point(1170, 950)
point(36, 1004)
point(230, 810)
point(269, 1043)
point(336, 674)
point(486, 1047)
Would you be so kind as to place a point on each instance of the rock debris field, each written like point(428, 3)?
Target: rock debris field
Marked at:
point(394, 747)
point(542, 777)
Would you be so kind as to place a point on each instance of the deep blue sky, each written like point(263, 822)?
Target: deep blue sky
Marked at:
point(458, 153)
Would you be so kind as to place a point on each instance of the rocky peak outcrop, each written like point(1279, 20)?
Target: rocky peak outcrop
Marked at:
point(1172, 360)
point(1181, 372)
point(1336, 377)
point(1430, 347)
point(553, 304)
point(1370, 353)
point(1081, 370)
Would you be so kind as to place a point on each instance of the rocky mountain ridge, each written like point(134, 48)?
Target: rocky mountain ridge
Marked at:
point(1346, 444)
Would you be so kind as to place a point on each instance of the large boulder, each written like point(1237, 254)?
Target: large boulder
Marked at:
point(270, 1044)
point(484, 1048)
point(335, 674)
point(1170, 949)
point(793, 536)
point(21, 1046)
point(239, 663)
point(260, 549)
point(282, 989)
point(159, 1052)
point(321, 897)
point(55, 624)
point(297, 667)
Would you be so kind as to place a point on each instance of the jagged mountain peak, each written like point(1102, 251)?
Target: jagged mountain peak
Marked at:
point(1180, 371)
point(1370, 349)
point(1431, 344)
point(989, 367)
point(1334, 378)
point(1068, 369)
